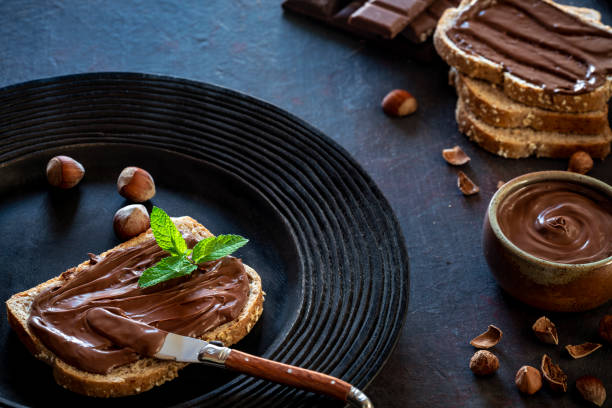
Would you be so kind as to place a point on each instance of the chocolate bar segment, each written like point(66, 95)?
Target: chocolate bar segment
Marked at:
point(378, 20)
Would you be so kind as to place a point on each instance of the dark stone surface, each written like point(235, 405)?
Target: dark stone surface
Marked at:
point(336, 82)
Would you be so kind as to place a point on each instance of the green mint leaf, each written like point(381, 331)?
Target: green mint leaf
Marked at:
point(166, 234)
point(217, 247)
point(167, 268)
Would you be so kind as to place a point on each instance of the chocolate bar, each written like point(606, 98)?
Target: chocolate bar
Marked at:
point(378, 20)
point(384, 19)
point(388, 17)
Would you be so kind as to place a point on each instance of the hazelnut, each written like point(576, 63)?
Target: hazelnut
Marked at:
point(466, 185)
point(136, 184)
point(528, 380)
point(399, 103)
point(580, 162)
point(130, 221)
point(64, 172)
point(591, 389)
point(484, 362)
point(605, 328)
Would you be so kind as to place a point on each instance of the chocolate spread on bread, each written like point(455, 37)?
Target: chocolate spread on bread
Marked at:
point(558, 221)
point(537, 42)
point(192, 305)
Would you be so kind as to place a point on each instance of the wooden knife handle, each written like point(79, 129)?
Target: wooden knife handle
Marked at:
point(287, 374)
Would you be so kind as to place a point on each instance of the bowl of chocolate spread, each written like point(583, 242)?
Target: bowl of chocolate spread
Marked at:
point(547, 238)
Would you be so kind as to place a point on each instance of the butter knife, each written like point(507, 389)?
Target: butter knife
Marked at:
point(150, 341)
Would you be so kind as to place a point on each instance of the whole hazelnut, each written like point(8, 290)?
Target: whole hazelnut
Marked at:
point(528, 380)
point(399, 103)
point(130, 221)
point(484, 362)
point(64, 172)
point(136, 184)
point(580, 162)
point(605, 328)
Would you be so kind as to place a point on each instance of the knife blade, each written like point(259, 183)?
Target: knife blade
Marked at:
point(150, 341)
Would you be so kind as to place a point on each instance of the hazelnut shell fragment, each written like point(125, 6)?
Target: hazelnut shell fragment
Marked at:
point(591, 389)
point(64, 172)
point(455, 156)
point(553, 374)
point(130, 221)
point(580, 162)
point(484, 362)
point(136, 184)
point(399, 103)
point(466, 185)
point(487, 339)
point(545, 330)
point(582, 350)
point(528, 380)
point(605, 328)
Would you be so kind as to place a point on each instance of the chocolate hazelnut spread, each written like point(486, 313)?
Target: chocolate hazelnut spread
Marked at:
point(558, 221)
point(190, 306)
point(537, 42)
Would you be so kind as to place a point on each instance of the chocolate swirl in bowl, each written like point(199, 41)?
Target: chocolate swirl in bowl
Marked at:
point(558, 221)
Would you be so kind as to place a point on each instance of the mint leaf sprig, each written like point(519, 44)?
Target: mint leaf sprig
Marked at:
point(183, 261)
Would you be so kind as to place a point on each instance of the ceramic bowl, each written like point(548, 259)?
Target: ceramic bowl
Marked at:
point(538, 282)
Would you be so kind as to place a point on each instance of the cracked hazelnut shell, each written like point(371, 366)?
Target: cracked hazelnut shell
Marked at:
point(455, 156)
point(582, 350)
point(466, 185)
point(553, 374)
point(545, 330)
point(487, 339)
point(592, 389)
point(136, 184)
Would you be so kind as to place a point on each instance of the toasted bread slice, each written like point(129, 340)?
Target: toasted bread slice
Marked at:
point(146, 372)
point(521, 142)
point(494, 108)
point(514, 87)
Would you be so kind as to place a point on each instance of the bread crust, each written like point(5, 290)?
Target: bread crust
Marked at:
point(519, 143)
point(494, 108)
point(147, 372)
point(513, 86)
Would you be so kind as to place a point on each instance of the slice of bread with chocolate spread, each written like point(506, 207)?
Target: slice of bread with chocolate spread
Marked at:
point(144, 373)
point(538, 52)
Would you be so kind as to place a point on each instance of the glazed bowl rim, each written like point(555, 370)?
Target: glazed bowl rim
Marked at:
point(536, 177)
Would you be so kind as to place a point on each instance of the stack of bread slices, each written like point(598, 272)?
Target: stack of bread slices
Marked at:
point(513, 118)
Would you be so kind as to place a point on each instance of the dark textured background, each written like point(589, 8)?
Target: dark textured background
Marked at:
point(336, 82)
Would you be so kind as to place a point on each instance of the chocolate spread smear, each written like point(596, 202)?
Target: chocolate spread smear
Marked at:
point(212, 295)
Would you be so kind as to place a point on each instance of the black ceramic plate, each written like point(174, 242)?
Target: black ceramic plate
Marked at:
point(322, 236)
